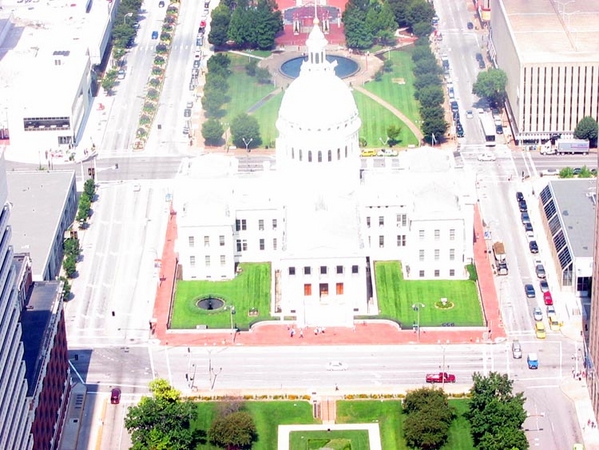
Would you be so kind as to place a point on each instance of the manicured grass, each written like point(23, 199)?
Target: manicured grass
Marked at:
point(459, 432)
point(267, 116)
point(244, 91)
point(267, 417)
point(249, 289)
point(334, 440)
point(386, 413)
point(375, 121)
point(399, 95)
point(396, 297)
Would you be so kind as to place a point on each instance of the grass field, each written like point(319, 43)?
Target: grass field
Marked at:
point(267, 115)
point(399, 95)
point(333, 440)
point(267, 417)
point(396, 297)
point(375, 121)
point(250, 289)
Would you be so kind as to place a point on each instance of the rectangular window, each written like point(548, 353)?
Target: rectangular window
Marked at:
point(206, 241)
point(237, 225)
point(355, 269)
point(452, 254)
point(307, 290)
point(221, 240)
point(401, 240)
point(339, 288)
point(192, 261)
point(421, 274)
point(274, 224)
point(421, 235)
point(274, 243)
point(307, 270)
point(323, 270)
point(401, 220)
point(192, 241)
point(292, 271)
point(437, 254)
point(381, 221)
point(339, 270)
point(207, 260)
point(451, 272)
point(381, 241)
point(323, 288)
point(223, 260)
point(420, 255)
point(437, 235)
point(244, 245)
point(261, 244)
point(238, 245)
point(437, 273)
point(243, 224)
point(261, 224)
point(452, 234)
point(368, 222)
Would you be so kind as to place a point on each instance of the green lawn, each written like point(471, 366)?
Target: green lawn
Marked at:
point(386, 413)
point(267, 116)
point(267, 417)
point(333, 440)
point(375, 121)
point(396, 297)
point(250, 289)
point(399, 95)
point(244, 90)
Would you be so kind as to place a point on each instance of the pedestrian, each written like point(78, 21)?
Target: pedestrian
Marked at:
point(291, 333)
point(589, 422)
point(315, 331)
point(322, 330)
point(301, 332)
point(336, 387)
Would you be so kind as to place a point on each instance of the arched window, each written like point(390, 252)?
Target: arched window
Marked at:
point(346, 151)
point(292, 153)
point(300, 154)
point(309, 155)
point(330, 156)
point(338, 154)
point(319, 156)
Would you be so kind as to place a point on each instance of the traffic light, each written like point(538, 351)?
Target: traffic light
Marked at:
point(92, 172)
point(89, 171)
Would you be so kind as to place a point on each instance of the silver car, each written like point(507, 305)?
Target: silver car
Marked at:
point(537, 314)
point(516, 349)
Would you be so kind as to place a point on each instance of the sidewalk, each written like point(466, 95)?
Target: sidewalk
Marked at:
point(365, 332)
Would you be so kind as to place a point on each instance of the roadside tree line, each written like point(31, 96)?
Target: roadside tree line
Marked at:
point(245, 24)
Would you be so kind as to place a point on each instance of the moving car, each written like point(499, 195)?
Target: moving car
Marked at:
point(121, 75)
point(154, 34)
point(387, 152)
point(470, 26)
point(544, 285)
point(537, 314)
point(547, 298)
point(550, 310)
point(487, 157)
point(516, 349)
point(161, 4)
point(529, 289)
point(115, 396)
point(533, 247)
point(368, 153)
point(533, 361)
point(441, 377)
point(336, 366)
point(469, 114)
point(540, 332)
point(540, 271)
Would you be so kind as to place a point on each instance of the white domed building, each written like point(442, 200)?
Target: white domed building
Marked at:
point(325, 215)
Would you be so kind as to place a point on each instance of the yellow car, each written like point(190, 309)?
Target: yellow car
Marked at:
point(540, 330)
point(554, 323)
point(368, 153)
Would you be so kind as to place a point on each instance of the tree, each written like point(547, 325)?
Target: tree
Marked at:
point(426, 79)
point(162, 421)
point(251, 66)
point(429, 418)
point(504, 438)
point(434, 125)
point(71, 247)
point(245, 127)
point(219, 25)
point(422, 30)
point(268, 22)
point(212, 102)
point(566, 172)
point(393, 133)
point(585, 173)
point(235, 430)
point(430, 96)
point(263, 75)
point(354, 17)
point(587, 129)
point(420, 12)
point(219, 63)
point(216, 81)
point(425, 66)
point(212, 132)
point(388, 65)
point(490, 84)
point(89, 188)
point(109, 81)
point(84, 208)
point(419, 53)
point(69, 265)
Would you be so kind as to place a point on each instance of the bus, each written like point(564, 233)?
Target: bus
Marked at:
point(488, 126)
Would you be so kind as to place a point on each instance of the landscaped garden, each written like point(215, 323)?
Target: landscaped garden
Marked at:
point(248, 293)
point(397, 296)
point(330, 440)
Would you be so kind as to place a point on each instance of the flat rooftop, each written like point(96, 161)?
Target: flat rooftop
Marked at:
point(552, 31)
point(38, 200)
point(575, 201)
point(40, 311)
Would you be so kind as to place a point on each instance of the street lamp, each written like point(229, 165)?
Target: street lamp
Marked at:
point(443, 368)
point(125, 17)
point(416, 307)
point(231, 314)
point(247, 150)
point(384, 142)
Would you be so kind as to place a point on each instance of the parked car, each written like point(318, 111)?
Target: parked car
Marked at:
point(529, 289)
point(533, 361)
point(115, 396)
point(161, 4)
point(387, 152)
point(540, 330)
point(187, 112)
point(516, 349)
point(519, 196)
point(525, 217)
point(523, 206)
point(486, 157)
point(547, 298)
point(533, 247)
point(528, 227)
point(469, 114)
point(121, 75)
point(368, 153)
point(537, 314)
point(196, 63)
point(470, 25)
point(544, 285)
point(498, 129)
point(336, 366)
point(550, 310)
point(540, 271)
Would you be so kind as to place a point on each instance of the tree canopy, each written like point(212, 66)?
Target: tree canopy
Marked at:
point(429, 418)
point(490, 84)
point(245, 130)
point(234, 430)
point(587, 129)
point(366, 23)
point(212, 132)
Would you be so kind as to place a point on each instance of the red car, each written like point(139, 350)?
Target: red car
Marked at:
point(441, 377)
point(548, 298)
point(115, 396)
